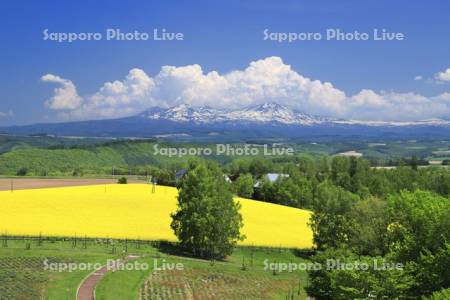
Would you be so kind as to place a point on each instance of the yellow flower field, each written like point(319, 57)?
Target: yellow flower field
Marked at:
point(133, 211)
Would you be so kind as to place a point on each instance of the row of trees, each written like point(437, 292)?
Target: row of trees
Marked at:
point(355, 175)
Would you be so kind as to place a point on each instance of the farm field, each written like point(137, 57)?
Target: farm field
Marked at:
point(132, 211)
point(201, 280)
point(23, 274)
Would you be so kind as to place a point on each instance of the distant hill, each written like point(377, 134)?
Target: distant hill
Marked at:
point(83, 156)
point(95, 159)
point(9, 142)
point(264, 121)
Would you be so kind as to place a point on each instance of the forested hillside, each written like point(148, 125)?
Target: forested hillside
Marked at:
point(79, 160)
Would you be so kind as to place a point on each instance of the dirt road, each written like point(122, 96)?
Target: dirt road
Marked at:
point(36, 183)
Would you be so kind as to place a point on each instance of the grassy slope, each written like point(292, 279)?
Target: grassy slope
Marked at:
point(8, 142)
point(122, 284)
point(126, 284)
point(89, 159)
point(41, 160)
point(59, 285)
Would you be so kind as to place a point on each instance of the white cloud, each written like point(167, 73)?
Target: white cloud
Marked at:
point(7, 114)
point(418, 78)
point(117, 98)
point(368, 105)
point(265, 80)
point(443, 76)
point(65, 97)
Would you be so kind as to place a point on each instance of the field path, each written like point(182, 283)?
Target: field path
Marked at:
point(86, 290)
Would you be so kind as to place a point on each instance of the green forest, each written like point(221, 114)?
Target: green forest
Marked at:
point(384, 233)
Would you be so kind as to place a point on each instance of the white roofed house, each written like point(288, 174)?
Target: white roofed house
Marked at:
point(271, 177)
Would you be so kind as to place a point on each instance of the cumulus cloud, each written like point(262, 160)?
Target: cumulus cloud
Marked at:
point(443, 76)
point(65, 97)
point(418, 78)
point(265, 80)
point(117, 98)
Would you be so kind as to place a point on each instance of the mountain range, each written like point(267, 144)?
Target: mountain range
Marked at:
point(269, 120)
point(264, 113)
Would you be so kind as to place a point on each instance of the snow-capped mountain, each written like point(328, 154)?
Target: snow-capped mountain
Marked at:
point(182, 113)
point(263, 113)
point(272, 112)
point(269, 120)
point(267, 113)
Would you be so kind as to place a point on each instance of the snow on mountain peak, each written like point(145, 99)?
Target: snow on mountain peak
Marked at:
point(267, 112)
point(272, 112)
point(182, 113)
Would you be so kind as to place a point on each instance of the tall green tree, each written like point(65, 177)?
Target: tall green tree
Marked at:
point(369, 227)
point(414, 163)
point(207, 221)
point(243, 185)
point(307, 166)
point(418, 221)
point(323, 169)
point(295, 191)
point(330, 221)
point(340, 172)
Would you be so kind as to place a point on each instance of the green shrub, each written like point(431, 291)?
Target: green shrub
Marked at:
point(440, 295)
point(122, 180)
point(22, 172)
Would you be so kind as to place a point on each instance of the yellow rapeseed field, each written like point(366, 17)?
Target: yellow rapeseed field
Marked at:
point(133, 211)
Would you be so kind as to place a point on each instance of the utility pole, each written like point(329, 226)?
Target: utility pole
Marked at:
point(152, 181)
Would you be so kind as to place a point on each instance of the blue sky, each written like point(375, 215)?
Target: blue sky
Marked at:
point(372, 78)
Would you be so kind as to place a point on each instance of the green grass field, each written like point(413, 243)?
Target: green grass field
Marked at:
point(240, 276)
